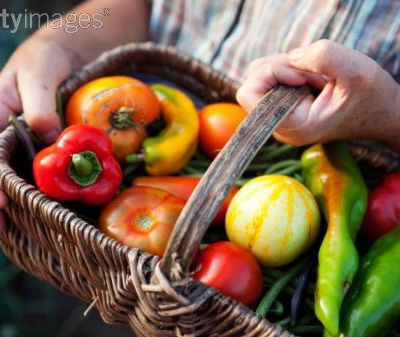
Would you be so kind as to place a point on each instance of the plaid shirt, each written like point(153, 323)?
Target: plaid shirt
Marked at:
point(229, 34)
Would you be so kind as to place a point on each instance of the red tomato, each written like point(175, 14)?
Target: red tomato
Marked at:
point(218, 122)
point(142, 217)
point(232, 270)
point(182, 188)
point(383, 211)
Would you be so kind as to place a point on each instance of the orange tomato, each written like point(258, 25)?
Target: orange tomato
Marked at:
point(120, 105)
point(218, 122)
point(142, 217)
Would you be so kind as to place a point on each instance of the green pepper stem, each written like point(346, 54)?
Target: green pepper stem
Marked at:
point(84, 168)
point(82, 165)
point(135, 158)
point(122, 119)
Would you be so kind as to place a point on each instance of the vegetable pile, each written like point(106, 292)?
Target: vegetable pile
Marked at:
point(285, 241)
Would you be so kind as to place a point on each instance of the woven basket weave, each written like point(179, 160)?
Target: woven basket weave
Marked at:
point(128, 286)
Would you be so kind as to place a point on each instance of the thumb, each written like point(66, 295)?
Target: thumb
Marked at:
point(38, 97)
point(325, 57)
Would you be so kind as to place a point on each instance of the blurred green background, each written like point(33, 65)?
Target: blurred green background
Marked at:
point(28, 307)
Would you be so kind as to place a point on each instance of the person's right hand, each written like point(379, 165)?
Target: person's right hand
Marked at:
point(356, 97)
point(28, 84)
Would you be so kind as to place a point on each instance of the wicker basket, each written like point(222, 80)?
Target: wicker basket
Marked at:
point(126, 285)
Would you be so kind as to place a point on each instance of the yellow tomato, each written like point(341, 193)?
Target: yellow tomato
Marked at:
point(275, 217)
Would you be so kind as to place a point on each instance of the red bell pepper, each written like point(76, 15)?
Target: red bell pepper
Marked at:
point(383, 212)
point(182, 188)
point(79, 166)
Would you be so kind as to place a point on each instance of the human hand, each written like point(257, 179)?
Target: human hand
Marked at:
point(29, 83)
point(30, 79)
point(358, 98)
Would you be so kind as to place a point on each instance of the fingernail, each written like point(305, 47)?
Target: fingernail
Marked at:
point(50, 136)
point(296, 54)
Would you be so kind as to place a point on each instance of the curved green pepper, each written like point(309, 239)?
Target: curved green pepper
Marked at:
point(336, 182)
point(372, 305)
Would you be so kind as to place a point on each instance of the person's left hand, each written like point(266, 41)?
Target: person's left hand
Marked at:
point(358, 98)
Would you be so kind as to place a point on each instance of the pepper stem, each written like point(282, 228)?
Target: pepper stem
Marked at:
point(84, 168)
point(122, 118)
point(135, 158)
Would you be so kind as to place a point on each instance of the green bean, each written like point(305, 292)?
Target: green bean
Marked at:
point(308, 319)
point(281, 165)
point(201, 156)
point(199, 163)
point(191, 170)
point(278, 308)
point(289, 170)
point(284, 322)
point(307, 329)
point(258, 167)
point(275, 273)
point(265, 151)
point(280, 151)
point(299, 177)
point(270, 146)
point(291, 290)
point(268, 282)
point(280, 284)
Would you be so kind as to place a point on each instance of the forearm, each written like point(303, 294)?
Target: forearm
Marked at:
point(117, 22)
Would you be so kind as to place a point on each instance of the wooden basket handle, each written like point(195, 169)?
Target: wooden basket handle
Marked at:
point(222, 174)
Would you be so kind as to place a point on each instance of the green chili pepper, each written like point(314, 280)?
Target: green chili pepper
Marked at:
point(372, 305)
point(335, 180)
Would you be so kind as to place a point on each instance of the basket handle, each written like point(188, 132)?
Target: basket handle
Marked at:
point(222, 174)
